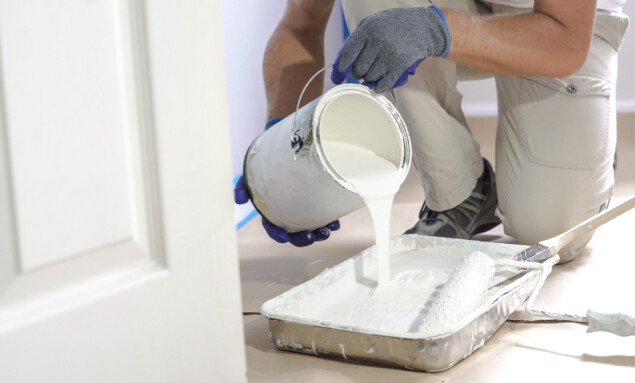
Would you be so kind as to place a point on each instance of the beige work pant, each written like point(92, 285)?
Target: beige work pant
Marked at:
point(555, 139)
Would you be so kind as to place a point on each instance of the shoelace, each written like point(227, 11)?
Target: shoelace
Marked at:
point(469, 209)
point(431, 216)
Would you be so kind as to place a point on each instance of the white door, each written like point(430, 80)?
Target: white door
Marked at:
point(118, 259)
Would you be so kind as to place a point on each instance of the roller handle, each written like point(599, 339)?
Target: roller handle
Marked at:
point(556, 243)
point(614, 322)
point(617, 323)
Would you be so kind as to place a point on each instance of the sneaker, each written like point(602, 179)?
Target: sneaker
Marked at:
point(474, 215)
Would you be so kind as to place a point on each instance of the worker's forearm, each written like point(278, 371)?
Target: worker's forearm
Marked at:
point(531, 44)
point(291, 58)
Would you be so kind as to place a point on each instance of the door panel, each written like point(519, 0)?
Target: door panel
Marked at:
point(65, 69)
point(81, 172)
point(117, 251)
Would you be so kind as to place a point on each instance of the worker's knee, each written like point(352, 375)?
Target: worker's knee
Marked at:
point(538, 223)
point(572, 250)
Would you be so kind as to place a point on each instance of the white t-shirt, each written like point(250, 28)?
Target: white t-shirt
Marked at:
point(608, 5)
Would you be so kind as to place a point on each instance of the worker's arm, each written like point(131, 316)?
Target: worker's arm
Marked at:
point(294, 53)
point(551, 41)
point(386, 47)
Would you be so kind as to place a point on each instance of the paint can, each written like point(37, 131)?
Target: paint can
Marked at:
point(287, 173)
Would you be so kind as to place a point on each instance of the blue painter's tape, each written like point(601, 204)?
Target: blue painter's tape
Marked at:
point(246, 220)
point(345, 33)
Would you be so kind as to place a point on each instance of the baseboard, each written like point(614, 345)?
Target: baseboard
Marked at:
point(490, 109)
point(486, 109)
point(625, 106)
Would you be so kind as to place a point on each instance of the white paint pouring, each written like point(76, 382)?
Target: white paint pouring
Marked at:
point(376, 180)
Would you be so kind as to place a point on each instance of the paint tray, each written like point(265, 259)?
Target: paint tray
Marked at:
point(322, 316)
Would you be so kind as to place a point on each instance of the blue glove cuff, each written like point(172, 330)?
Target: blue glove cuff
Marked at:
point(273, 122)
point(447, 49)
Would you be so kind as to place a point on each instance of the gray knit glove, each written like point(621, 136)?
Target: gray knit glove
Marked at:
point(387, 47)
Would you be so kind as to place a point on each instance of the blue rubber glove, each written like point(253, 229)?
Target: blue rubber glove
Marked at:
point(278, 234)
point(388, 46)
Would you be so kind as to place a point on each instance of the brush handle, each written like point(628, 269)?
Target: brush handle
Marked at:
point(556, 243)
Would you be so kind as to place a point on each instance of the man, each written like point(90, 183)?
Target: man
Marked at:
point(555, 65)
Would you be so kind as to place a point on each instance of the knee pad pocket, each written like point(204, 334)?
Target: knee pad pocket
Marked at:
point(565, 122)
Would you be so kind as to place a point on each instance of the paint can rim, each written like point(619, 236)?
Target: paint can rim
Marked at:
point(384, 102)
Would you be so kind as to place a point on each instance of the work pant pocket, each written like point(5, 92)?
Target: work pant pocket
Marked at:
point(565, 122)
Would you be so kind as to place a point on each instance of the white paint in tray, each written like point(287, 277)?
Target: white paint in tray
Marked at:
point(341, 296)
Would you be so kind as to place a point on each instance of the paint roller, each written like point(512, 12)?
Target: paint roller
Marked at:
point(463, 291)
point(461, 294)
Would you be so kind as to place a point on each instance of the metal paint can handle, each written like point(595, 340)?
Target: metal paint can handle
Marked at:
point(297, 141)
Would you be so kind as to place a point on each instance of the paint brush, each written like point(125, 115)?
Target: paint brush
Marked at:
point(548, 248)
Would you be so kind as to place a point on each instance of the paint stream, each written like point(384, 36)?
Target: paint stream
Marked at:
point(415, 300)
point(376, 180)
